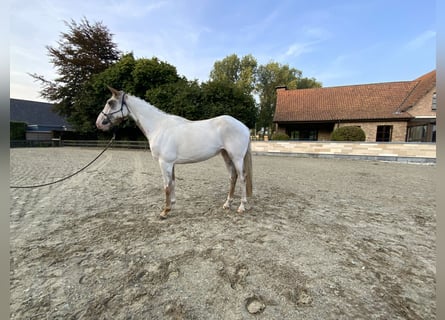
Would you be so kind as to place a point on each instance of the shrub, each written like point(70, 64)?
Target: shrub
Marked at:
point(17, 130)
point(279, 136)
point(348, 133)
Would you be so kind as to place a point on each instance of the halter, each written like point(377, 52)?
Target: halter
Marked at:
point(121, 110)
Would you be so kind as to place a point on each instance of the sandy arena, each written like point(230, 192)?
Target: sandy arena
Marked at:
point(324, 239)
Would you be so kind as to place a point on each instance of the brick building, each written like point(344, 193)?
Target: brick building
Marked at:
point(392, 111)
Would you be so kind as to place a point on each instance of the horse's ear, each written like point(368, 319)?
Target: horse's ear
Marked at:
point(113, 91)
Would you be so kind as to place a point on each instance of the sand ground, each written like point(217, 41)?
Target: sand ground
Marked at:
point(325, 239)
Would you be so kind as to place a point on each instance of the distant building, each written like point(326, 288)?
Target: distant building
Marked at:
point(392, 111)
point(42, 122)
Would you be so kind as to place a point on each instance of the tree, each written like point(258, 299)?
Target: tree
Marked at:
point(151, 73)
point(241, 72)
point(85, 50)
point(224, 97)
point(182, 98)
point(305, 83)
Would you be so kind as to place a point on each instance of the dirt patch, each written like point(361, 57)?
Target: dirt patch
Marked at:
point(325, 239)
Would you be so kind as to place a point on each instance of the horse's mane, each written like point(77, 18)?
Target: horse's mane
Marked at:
point(144, 103)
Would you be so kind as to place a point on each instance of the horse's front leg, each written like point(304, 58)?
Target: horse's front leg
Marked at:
point(167, 170)
point(173, 188)
point(242, 179)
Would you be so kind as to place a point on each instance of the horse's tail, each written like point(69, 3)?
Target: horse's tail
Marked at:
point(248, 170)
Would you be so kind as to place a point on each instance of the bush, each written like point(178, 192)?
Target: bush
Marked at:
point(348, 133)
point(279, 136)
point(17, 130)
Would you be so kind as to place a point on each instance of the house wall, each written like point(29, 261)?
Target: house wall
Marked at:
point(38, 135)
point(423, 106)
point(370, 128)
point(324, 135)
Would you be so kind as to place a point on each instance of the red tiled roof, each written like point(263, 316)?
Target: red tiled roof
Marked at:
point(388, 100)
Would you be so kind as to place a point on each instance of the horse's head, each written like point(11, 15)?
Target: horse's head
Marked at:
point(114, 112)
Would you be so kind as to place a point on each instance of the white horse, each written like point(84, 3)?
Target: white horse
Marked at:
point(174, 139)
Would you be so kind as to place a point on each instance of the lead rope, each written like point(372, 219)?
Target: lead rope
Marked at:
point(71, 175)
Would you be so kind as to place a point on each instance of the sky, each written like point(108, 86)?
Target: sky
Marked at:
point(342, 42)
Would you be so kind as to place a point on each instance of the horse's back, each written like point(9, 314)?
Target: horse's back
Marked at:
point(220, 130)
point(228, 124)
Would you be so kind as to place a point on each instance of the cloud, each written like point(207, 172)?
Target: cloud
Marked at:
point(316, 32)
point(310, 37)
point(298, 48)
point(420, 40)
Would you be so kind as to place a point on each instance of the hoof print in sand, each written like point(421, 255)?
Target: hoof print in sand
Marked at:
point(255, 305)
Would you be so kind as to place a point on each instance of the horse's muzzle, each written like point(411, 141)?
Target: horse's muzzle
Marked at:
point(103, 124)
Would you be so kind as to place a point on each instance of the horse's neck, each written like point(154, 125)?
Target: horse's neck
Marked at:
point(147, 117)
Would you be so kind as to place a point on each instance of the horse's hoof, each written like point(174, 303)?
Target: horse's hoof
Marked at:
point(227, 205)
point(163, 215)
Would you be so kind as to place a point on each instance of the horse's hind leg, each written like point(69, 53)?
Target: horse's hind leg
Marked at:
point(233, 177)
point(167, 170)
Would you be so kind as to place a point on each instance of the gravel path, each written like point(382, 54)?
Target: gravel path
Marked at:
point(325, 239)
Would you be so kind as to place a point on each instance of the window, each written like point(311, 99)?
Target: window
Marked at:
point(434, 102)
point(384, 133)
point(422, 133)
point(417, 133)
point(304, 135)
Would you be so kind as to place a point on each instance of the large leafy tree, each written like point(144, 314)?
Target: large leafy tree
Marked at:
point(84, 50)
point(224, 97)
point(152, 73)
point(240, 71)
point(182, 98)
